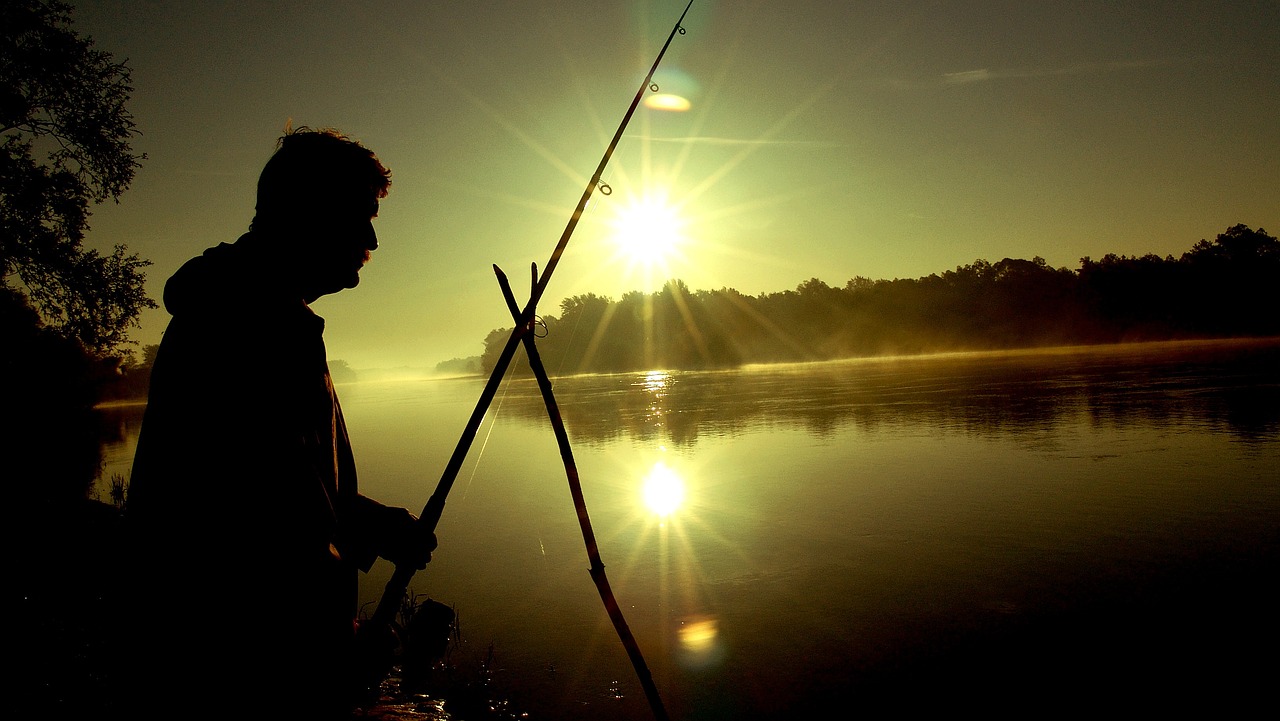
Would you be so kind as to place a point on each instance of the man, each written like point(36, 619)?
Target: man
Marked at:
point(247, 523)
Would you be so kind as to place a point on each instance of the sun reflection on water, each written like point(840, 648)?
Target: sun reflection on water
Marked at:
point(655, 382)
point(670, 518)
point(663, 490)
point(656, 385)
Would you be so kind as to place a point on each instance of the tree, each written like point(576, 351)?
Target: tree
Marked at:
point(64, 144)
point(341, 372)
point(1235, 282)
point(1239, 244)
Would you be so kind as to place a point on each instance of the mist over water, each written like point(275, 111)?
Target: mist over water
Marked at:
point(988, 527)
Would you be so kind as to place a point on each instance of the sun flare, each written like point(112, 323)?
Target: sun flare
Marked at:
point(648, 231)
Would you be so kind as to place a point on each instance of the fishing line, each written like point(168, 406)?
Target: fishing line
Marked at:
point(493, 422)
point(564, 357)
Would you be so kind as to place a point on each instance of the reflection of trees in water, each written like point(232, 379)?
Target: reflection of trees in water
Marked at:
point(56, 453)
point(1253, 414)
point(59, 452)
point(50, 439)
point(1233, 385)
point(118, 424)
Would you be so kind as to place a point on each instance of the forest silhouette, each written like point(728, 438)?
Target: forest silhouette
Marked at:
point(1226, 287)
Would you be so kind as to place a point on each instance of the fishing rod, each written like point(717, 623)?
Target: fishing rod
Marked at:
point(430, 516)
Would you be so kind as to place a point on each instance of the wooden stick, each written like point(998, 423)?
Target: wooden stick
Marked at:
point(580, 504)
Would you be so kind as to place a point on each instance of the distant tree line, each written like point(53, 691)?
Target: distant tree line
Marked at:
point(1226, 287)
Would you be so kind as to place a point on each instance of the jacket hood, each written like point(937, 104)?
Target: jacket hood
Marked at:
point(224, 277)
point(208, 278)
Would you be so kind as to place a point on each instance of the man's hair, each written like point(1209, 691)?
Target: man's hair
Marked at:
point(313, 169)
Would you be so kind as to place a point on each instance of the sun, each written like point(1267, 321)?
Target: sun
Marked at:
point(648, 231)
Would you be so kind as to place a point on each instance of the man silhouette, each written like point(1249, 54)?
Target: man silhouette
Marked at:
point(247, 523)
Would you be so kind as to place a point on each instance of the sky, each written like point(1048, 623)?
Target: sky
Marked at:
point(821, 139)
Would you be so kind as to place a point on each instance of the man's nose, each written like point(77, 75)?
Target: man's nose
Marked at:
point(370, 241)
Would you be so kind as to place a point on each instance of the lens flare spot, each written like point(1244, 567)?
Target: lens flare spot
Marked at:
point(663, 490)
point(698, 636)
point(667, 101)
point(698, 642)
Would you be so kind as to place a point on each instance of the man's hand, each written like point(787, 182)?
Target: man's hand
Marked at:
point(408, 543)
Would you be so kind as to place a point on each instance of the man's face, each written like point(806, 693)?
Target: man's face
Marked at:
point(338, 246)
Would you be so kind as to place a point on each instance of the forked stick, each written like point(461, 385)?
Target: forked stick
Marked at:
point(579, 502)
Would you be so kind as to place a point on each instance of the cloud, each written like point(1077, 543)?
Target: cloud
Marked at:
point(986, 74)
point(968, 76)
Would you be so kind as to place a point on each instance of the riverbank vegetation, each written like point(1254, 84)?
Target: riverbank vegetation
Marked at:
point(1225, 287)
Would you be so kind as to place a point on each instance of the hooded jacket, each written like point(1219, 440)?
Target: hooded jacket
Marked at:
point(246, 520)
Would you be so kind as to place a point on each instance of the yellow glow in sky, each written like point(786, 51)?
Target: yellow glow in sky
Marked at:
point(831, 143)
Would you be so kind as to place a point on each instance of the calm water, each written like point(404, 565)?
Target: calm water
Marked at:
point(977, 530)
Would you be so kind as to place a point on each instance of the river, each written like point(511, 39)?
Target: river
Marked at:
point(1026, 529)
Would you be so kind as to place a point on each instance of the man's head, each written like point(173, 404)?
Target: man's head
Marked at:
point(317, 197)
